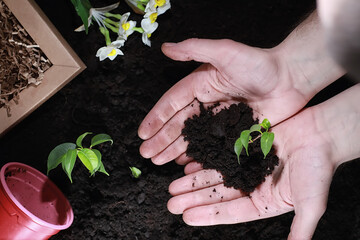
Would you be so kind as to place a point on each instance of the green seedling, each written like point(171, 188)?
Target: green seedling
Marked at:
point(67, 153)
point(266, 139)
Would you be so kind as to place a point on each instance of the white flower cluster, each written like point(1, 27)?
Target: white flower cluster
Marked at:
point(123, 27)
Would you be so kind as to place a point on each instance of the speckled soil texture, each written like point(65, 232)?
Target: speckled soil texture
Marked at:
point(114, 97)
point(211, 136)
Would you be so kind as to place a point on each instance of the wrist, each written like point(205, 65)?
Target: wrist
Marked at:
point(303, 57)
point(338, 121)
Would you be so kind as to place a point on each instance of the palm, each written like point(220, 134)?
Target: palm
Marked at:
point(301, 182)
point(254, 75)
point(245, 73)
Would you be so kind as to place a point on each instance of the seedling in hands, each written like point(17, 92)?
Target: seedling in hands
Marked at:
point(266, 139)
point(66, 154)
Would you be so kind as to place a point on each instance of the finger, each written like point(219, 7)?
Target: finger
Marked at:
point(192, 167)
point(202, 50)
point(169, 133)
point(171, 152)
point(195, 181)
point(183, 93)
point(311, 207)
point(211, 195)
point(305, 222)
point(234, 211)
point(183, 159)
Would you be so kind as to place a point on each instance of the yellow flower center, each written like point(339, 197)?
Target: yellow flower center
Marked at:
point(112, 53)
point(153, 17)
point(159, 3)
point(126, 26)
point(149, 35)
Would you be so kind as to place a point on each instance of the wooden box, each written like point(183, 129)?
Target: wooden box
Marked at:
point(65, 63)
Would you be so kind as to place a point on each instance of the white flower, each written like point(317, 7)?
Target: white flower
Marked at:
point(111, 51)
point(160, 6)
point(126, 27)
point(99, 15)
point(149, 25)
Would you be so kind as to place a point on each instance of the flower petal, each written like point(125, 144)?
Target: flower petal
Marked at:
point(118, 43)
point(163, 8)
point(98, 53)
point(146, 40)
point(150, 6)
point(124, 18)
point(148, 26)
point(108, 8)
point(118, 52)
point(82, 27)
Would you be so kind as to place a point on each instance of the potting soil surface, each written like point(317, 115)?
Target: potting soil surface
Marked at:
point(114, 96)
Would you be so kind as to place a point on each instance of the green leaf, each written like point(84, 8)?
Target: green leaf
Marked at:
point(100, 138)
point(89, 159)
point(80, 139)
point(55, 156)
point(99, 156)
point(266, 142)
point(244, 138)
point(238, 148)
point(69, 162)
point(255, 128)
point(82, 8)
point(86, 4)
point(135, 172)
point(102, 169)
point(266, 124)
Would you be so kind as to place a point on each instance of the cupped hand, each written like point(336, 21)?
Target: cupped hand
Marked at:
point(232, 72)
point(301, 182)
point(310, 146)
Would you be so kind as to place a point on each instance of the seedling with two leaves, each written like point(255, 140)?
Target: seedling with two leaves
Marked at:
point(266, 139)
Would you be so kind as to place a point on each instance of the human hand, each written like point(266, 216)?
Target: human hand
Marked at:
point(272, 85)
point(310, 146)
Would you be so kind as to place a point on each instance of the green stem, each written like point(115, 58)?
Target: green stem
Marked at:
point(113, 23)
point(257, 137)
point(138, 29)
point(117, 16)
point(111, 27)
point(140, 6)
point(106, 34)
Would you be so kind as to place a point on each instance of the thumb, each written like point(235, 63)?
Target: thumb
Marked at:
point(201, 50)
point(307, 217)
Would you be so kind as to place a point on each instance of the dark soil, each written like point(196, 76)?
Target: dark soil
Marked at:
point(211, 136)
point(114, 97)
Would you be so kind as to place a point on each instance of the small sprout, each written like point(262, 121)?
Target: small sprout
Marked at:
point(266, 139)
point(66, 154)
point(135, 172)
